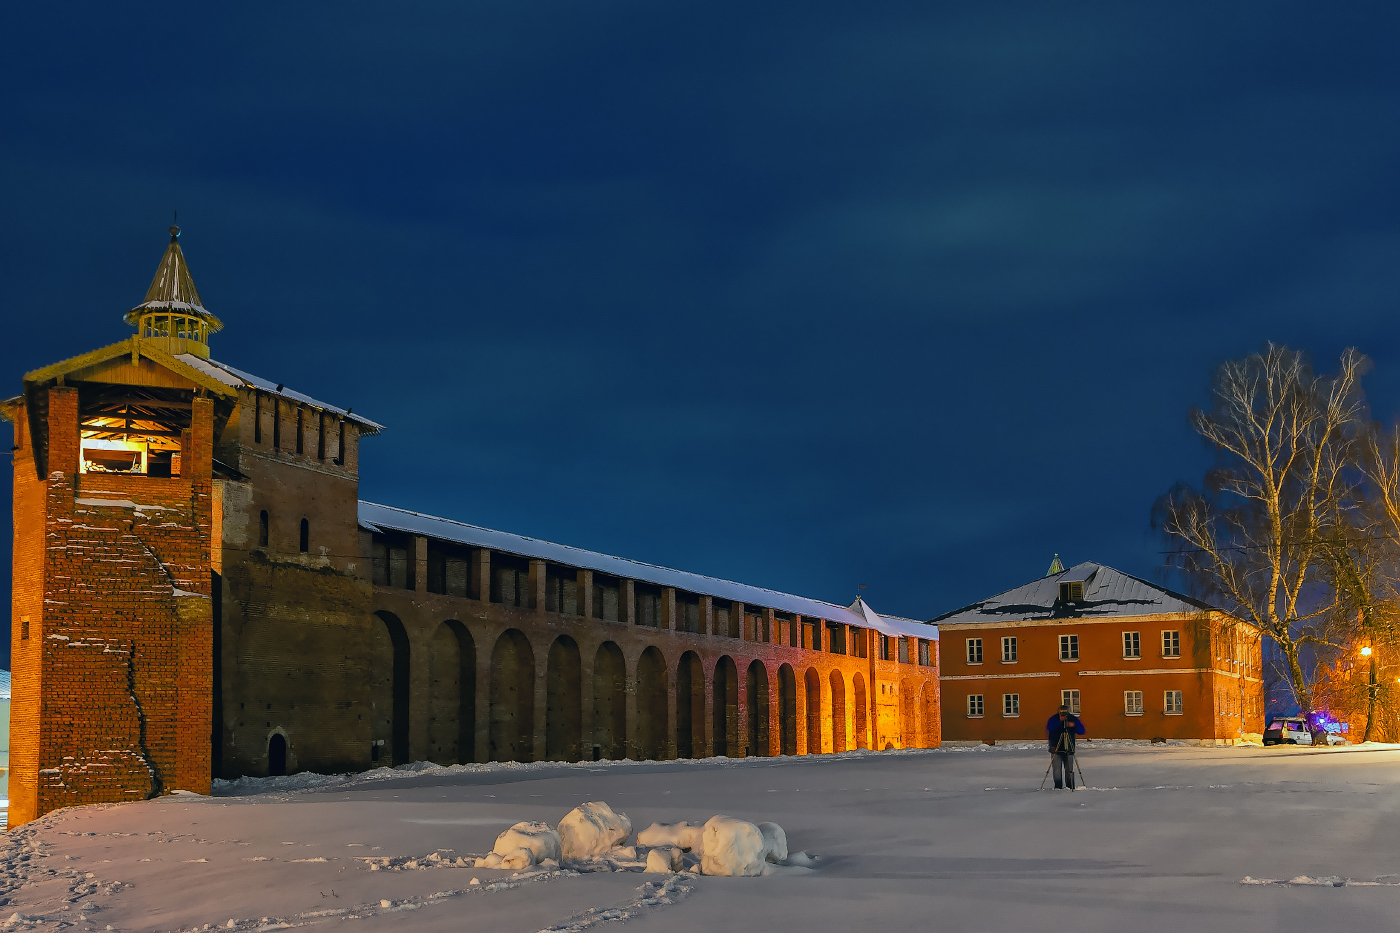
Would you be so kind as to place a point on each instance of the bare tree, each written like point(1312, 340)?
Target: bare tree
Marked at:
point(1365, 558)
point(1255, 538)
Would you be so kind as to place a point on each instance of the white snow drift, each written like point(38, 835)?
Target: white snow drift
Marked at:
point(594, 834)
point(524, 845)
point(590, 830)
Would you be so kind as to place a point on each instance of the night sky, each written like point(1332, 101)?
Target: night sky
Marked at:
point(808, 297)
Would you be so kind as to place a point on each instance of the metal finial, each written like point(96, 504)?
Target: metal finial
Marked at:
point(174, 233)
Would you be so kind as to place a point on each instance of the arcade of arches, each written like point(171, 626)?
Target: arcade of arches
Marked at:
point(458, 681)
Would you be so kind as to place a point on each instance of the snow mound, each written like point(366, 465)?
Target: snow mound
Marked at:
point(683, 835)
point(775, 848)
point(732, 847)
point(523, 846)
point(591, 830)
point(664, 859)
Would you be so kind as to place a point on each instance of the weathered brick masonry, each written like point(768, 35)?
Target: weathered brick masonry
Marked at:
point(198, 591)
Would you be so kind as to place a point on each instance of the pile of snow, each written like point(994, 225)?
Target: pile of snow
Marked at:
point(732, 847)
point(681, 835)
point(664, 859)
point(524, 845)
point(593, 837)
point(590, 830)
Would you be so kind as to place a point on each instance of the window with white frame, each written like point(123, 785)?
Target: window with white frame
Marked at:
point(974, 651)
point(1069, 647)
point(1171, 644)
point(1171, 702)
point(1132, 702)
point(1070, 698)
point(1008, 649)
point(1011, 704)
point(974, 704)
point(1132, 644)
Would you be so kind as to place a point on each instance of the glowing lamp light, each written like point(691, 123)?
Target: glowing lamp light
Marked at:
point(1366, 651)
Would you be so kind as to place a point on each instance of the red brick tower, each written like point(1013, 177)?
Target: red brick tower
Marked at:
point(112, 614)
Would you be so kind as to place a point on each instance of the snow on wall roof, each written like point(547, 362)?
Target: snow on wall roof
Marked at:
point(239, 379)
point(378, 517)
point(1108, 593)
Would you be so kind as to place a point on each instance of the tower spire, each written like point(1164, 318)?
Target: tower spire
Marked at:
point(173, 313)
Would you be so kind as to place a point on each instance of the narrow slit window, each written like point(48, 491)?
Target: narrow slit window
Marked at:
point(321, 436)
point(305, 543)
point(262, 528)
point(276, 425)
point(300, 430)
point(257, 417)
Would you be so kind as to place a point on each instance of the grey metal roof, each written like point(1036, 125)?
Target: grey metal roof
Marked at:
point(378, 517)
point(239, 379)
point(1108, 593)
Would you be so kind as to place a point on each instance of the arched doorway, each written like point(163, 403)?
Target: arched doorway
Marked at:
point(814, 711)
point(758, 709)
point(389, 691)
point(932, 731)
point(787, 710)
point(609, 703)
point(652, 706)
point(726, 709)
point(277, 755)
point(452, 695)
point(862, 711)
point(838, 712)
point(512, 727)
point(563, 722)
point(907, 727)
point(690, 707)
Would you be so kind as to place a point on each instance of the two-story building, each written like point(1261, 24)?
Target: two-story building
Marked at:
point(1134, 659)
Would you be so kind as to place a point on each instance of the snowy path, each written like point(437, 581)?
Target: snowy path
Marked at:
point(954, 839)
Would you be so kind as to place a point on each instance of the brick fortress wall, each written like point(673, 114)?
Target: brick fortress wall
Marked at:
point(122, 645)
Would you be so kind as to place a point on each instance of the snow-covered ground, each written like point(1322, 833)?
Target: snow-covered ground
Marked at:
point(1165, 838)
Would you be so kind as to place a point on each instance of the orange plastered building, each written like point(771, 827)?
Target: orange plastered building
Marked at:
point(1133, 659)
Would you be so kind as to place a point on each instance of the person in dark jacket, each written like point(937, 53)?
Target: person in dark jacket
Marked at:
point(1061, 731)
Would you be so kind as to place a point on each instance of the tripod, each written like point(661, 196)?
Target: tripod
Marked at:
point(1059, 747)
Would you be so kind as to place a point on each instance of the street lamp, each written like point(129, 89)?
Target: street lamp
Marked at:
point(1372, 688)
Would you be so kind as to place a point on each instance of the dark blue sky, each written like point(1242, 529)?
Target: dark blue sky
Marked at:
point(807, 297)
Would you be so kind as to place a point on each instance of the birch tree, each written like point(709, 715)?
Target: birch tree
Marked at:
point(1254, 538)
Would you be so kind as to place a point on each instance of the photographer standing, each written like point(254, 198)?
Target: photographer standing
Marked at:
point(1061, 731)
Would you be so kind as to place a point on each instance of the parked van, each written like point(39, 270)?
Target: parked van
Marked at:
point(1292, 730)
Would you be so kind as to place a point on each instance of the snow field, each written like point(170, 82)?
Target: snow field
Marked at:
point(1166, 838)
